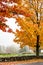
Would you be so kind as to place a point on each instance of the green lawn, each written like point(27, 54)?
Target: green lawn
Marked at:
point(41, 54)
point(18, 55)
point(15, 55)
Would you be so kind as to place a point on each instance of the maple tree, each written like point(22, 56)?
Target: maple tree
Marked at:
point(31, 23)
point(29, 16)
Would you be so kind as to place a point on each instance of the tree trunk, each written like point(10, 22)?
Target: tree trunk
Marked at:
point(37, 46)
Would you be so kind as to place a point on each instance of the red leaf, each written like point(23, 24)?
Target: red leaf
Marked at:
point(10, 30)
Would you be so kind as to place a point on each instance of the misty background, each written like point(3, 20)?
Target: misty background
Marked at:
point(7, 45)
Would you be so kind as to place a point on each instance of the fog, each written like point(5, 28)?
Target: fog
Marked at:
point(14, 49)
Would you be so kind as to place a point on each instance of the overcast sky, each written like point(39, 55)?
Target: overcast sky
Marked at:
point(7, 38)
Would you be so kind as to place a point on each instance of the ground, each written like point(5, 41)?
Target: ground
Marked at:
point(26, 62)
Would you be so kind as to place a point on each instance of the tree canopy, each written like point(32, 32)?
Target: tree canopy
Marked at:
point(28, 15)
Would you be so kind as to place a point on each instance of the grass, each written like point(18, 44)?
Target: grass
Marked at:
point(15, 55)
point(18, 55)
point(41, 54)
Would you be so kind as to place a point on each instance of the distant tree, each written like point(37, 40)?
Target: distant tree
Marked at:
point(26, 49)
point(11, 49)
point(2, 49)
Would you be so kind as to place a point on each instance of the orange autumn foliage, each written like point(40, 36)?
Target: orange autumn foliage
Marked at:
point(31, 22)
